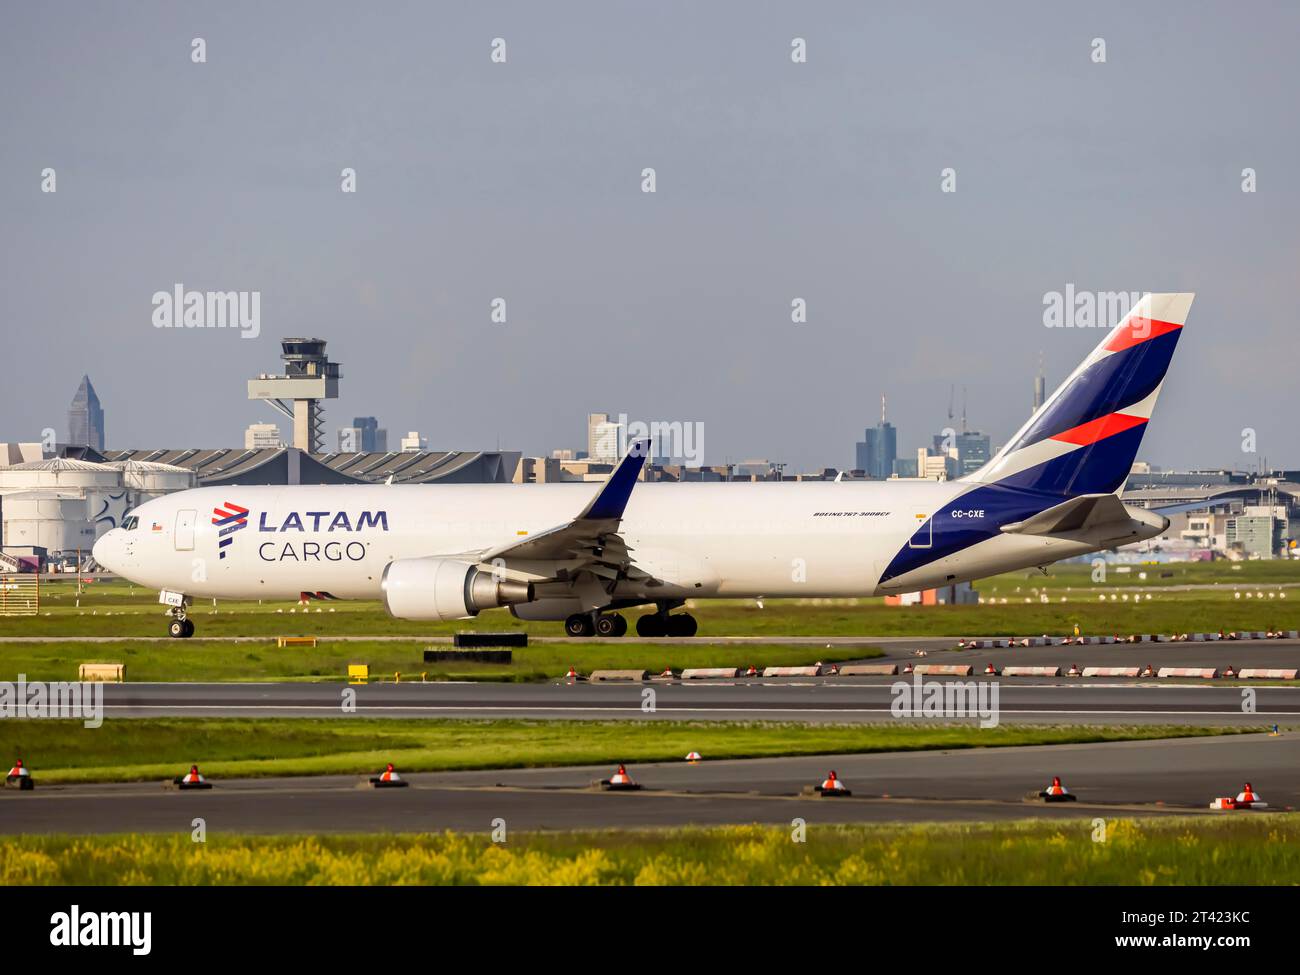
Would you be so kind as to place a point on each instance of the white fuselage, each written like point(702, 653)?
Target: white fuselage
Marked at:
point(701, 539)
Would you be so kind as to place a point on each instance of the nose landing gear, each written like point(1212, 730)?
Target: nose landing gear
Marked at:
point(181, 626)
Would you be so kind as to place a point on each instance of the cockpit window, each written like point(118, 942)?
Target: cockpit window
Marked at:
point(129, 522)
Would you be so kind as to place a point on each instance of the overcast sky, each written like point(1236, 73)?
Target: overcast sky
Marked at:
point(523, 180)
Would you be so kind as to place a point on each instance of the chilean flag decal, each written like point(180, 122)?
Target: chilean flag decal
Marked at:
point(229, 520)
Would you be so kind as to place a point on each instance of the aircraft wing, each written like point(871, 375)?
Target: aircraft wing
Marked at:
point(591, 539)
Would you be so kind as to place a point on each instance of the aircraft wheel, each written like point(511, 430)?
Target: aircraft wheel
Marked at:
point(683, 624)
point(610, 624)
point(579, 624)
point(189, 629)
point(176, 629)
point(652, 624)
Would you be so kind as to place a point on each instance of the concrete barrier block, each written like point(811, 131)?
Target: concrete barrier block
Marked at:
point(869, 670)
point(697, 673)
point(471, 640)
point(1025, 671)
point(1267, 673)
point(483, 655)
point(792, 671)
point(1202, 672)
point(943, 670)
point(607, 675)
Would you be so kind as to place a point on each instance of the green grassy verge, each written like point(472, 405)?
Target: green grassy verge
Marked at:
point(1262, 849)
point(259, 659)
point(156, 748)
point(117, 609)
point(1261, 572)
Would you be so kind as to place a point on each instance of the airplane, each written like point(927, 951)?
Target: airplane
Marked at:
point(447, 552)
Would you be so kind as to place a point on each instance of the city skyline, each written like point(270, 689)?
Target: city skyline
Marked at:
point(964, 450)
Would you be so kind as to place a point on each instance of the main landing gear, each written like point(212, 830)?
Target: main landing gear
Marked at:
point(659, 623)
point(595, 624)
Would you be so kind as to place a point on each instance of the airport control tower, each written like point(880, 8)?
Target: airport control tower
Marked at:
point(309, 377)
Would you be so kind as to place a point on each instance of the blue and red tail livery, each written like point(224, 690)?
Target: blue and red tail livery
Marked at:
point(1083, 440)
point(1085, 437)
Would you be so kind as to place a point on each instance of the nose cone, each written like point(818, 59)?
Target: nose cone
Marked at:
point(107, 550)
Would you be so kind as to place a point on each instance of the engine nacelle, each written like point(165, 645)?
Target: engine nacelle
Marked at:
point(446, 589)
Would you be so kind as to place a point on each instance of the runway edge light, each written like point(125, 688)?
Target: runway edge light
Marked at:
point(1056, 792)
point(832, 786)
point(620, 781)
point(19, 777)
point(192, 779)
point(388, 779)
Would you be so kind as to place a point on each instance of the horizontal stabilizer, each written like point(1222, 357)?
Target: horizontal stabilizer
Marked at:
point(1085, 512)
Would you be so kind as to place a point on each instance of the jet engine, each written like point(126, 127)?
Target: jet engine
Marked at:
point(446, 589)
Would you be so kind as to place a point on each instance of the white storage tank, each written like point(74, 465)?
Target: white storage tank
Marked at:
point(60, 473)
point(147, 479)
point(58, 521)
point(61, 504)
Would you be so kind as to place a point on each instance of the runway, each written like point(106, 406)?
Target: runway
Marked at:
point(1170, 777)
point(826, 699)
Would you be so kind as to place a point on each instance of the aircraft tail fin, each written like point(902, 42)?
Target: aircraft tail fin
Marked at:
point(1085, 437)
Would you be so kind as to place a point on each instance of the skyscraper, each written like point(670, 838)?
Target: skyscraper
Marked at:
point(602, 438)
point(876, 452)
point(973, 451)
point(85, 418)
point(373, 437)
point(262, 436)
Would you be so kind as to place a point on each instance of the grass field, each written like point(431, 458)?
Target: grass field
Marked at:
point(118, 609)
point(258, 659)
point(1262, 572)
point(1257, 849)
point(159, 748)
